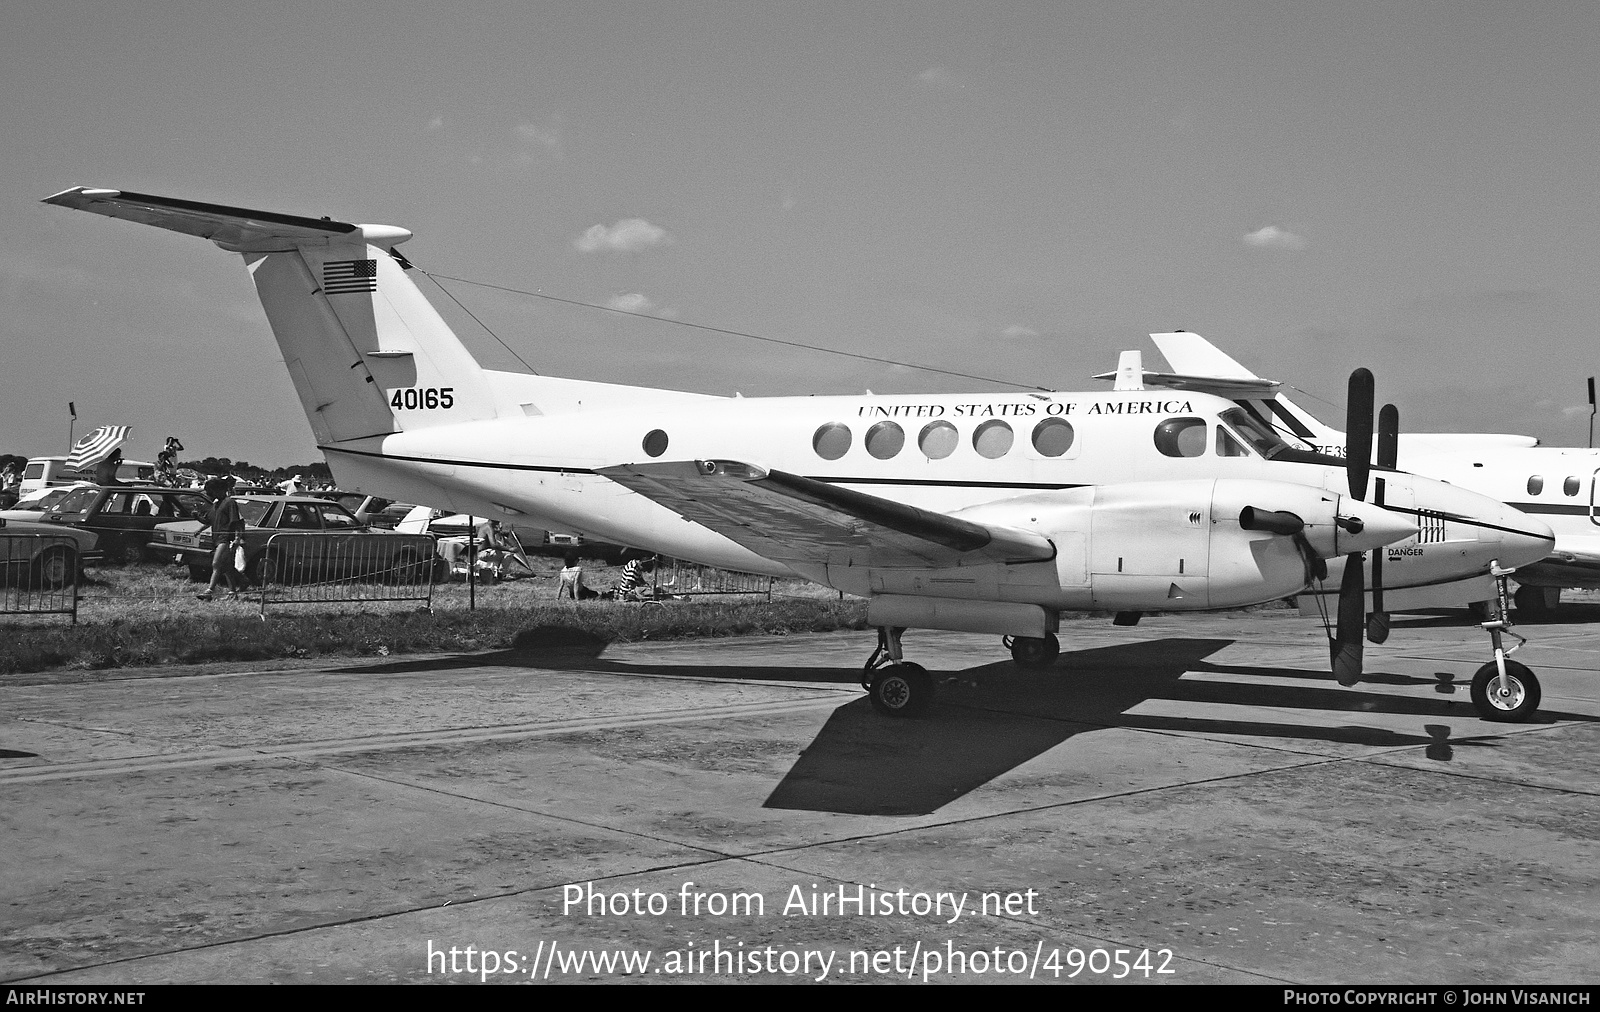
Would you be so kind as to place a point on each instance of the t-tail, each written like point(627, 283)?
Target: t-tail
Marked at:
point(368, 354)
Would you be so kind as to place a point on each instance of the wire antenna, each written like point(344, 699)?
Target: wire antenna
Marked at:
point(436, 278)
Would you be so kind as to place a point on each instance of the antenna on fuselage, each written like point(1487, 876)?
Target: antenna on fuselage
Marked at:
point(1591, 412)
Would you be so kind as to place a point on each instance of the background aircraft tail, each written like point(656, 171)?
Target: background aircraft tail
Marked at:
point(368, 354)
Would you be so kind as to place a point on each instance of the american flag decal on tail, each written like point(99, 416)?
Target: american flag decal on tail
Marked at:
point(342, 276)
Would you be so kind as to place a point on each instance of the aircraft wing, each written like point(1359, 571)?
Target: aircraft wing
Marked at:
point(793, 519)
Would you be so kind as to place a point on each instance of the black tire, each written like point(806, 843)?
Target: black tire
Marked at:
point(1518, 705)
point(901, 690)
point(1031, 652)
point(128, 553)
point(56, 568)
point(267, 568)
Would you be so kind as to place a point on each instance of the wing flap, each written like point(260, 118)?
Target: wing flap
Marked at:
point(793, 519)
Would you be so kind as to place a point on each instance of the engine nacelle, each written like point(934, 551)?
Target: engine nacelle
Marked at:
point(1180, 546)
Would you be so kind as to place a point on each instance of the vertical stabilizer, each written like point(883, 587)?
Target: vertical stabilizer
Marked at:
point(368, 354)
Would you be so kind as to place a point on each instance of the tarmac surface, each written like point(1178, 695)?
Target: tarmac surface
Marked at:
point(1196, 792)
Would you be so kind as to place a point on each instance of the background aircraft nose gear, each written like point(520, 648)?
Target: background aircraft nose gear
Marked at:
point(897, 687)
point(1504, 689)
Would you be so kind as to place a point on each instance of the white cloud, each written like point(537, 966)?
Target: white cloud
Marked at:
point(437, 123)
point(633, 302)
point(545, 140)
point(1017, 330)
point(627, 236)
point(938, 77)
point(1273, 237)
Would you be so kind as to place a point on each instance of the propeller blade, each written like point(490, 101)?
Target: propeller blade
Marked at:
point(1345, 647)
point(1388, 455)
point(1358, 438)
point(1388, 436)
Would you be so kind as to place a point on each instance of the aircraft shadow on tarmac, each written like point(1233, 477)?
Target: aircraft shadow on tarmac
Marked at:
point(991, 719)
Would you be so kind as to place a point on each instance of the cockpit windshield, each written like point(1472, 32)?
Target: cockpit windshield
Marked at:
point(1261, 438)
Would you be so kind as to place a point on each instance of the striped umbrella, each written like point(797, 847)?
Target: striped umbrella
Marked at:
point(96, 446)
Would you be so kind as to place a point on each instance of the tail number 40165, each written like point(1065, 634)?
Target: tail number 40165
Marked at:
point(422, 397)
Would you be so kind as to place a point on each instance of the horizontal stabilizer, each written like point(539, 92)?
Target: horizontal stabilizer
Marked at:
point(237, 229)
point(1221, 386)
point(792, 519)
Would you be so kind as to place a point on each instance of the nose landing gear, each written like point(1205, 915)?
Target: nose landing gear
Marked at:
point(896, 686)
point(1503, 689)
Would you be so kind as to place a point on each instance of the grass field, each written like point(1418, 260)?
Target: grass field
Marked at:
point(144, 615)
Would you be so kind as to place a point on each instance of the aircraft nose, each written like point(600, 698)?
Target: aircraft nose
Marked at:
point(1502, 533)
point(1524, 539)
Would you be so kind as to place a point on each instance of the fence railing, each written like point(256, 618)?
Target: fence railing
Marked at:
point(688, 579)
point(322, 568)
point(38, 574)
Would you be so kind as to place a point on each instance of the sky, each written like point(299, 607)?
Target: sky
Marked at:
point(1019, 191)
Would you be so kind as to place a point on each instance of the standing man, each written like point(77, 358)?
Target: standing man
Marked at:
point(226, 526)
point(9, 482)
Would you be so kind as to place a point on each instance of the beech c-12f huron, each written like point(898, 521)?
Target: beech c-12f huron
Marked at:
point(989, 513)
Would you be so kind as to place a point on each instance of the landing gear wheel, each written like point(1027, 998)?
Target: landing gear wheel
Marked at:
point(1031, 652)
point(1517, 704)
point(901, 690)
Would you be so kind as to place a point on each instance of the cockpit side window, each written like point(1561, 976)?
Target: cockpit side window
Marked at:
point(1227, 446)
point(1181, 437)
point(1257, 436)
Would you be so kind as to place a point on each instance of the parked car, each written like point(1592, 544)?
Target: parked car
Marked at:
point(123, 516)
point(44, 561)
point(35, 504)
point(344, 552)
point(372, 510)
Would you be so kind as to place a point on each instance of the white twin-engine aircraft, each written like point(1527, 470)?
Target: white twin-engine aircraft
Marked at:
point(986, 513)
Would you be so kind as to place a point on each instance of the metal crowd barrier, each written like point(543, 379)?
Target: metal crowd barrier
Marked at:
point(323, 568)
point(687, 579)
point(38, 575)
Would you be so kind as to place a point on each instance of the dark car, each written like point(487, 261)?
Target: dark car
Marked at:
point(345, 548)
point(40, 555)
point(124, 516)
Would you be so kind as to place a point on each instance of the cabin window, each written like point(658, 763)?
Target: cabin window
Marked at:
point(1227, 446)
point(1181, 437)
point(1570, 486)
point(885, 439)
point(992, 439)
point(1052, 437)
point(831, 441)
point(1535, 484)
point(655, 442)
point(938, 440)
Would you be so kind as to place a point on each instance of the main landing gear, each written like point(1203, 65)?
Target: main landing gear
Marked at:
point(1503, 689)
point(1031, 652)
point(897, 687)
